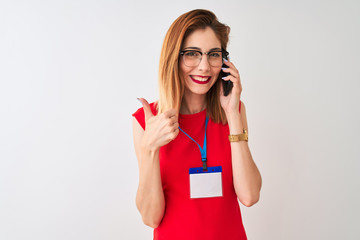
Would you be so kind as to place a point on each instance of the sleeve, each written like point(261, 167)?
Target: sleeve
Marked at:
point(140, 115)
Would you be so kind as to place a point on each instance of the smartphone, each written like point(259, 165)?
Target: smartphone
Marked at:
point(227, 85)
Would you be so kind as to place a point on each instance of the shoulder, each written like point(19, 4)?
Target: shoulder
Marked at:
point(242, 110)
point(241, 106)
point(140, 115)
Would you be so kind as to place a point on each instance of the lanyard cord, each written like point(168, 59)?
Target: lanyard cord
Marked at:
point(203, 149)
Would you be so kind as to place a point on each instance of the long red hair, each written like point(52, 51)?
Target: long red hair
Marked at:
point(171, 86)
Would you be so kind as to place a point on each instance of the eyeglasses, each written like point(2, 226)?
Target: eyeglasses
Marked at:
point(192, 58)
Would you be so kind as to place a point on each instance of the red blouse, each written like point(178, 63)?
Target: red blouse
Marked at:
point(201, 218)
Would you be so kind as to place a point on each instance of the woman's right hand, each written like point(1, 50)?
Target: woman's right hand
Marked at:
point(160, 129)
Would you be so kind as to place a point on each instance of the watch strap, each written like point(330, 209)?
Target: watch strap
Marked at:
point(239, 137)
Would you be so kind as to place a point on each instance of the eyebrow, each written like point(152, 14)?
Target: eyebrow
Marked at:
point(196, 48)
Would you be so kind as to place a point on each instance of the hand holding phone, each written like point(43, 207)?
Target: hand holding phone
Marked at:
point(227, 85)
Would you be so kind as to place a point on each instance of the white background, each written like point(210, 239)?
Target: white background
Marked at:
point(70, 72)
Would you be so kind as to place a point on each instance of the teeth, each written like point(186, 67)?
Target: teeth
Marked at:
point(201, 78)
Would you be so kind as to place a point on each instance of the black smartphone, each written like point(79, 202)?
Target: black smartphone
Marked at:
point(227, 85)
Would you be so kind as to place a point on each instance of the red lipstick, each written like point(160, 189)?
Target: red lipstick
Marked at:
point(200, 79)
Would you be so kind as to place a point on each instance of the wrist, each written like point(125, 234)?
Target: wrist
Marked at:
point(149, 148)
point(232, 115)
point(235, 124)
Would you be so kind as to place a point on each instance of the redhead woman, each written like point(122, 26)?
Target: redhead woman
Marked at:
point(191, 145)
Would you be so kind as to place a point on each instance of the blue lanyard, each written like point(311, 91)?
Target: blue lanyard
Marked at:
point(203, 149)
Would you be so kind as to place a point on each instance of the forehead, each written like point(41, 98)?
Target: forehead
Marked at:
point(204, 39)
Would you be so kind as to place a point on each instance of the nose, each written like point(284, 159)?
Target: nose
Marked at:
point(204, 65)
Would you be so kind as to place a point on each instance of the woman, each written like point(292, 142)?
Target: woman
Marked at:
point(191, 172)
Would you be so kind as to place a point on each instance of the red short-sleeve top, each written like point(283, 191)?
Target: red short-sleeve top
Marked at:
point(202, 218)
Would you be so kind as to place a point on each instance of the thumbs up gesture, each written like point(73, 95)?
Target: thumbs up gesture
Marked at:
point(160, 129)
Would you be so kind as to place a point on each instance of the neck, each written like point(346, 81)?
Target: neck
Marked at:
point(192, 103)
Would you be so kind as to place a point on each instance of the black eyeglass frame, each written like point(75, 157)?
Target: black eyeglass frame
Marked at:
point(224, 53)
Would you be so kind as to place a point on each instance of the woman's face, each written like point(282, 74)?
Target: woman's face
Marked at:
point(199, 79)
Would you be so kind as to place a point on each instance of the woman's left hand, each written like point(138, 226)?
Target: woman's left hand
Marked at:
point(230, 103)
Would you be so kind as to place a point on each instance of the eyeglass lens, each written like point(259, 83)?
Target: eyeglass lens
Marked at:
point(193, 58)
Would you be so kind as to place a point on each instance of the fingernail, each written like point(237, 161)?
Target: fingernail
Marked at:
point(223, 77)
point(225, 60)
point(224, 69)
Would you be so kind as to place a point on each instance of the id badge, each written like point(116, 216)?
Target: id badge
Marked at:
point(204, 184)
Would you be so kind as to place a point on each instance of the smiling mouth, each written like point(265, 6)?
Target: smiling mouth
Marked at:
point(200, 79)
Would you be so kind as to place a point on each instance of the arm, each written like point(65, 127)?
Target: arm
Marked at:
point(150, 196)
point(246, 176)
point(159, 131)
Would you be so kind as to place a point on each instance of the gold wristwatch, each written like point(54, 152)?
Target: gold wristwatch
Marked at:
point(239, 137)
